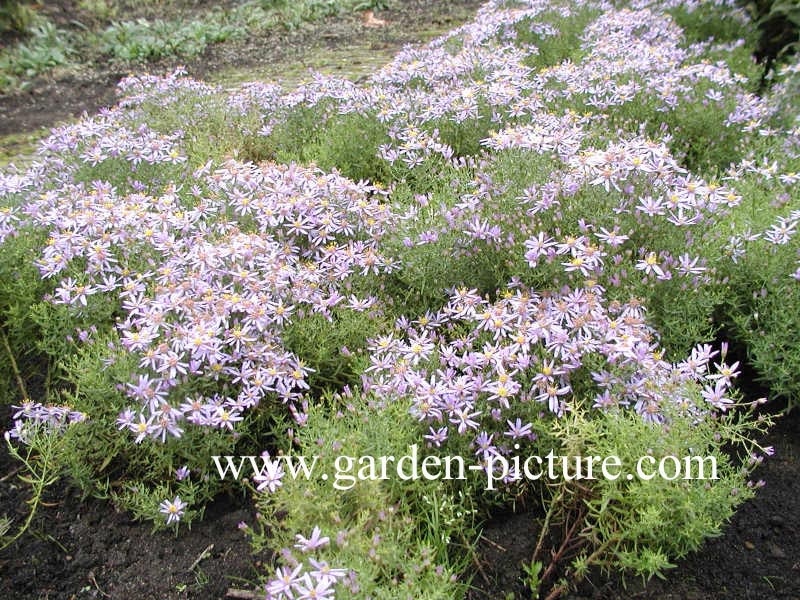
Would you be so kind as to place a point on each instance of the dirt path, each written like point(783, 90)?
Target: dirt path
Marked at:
point(343, 45)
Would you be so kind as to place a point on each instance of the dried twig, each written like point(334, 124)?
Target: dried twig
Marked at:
point(562, 549)
point(11, 474)
point(241, 594)
point(203, 554)
point(495, 544)
point(546, 525)
point(480, 570)
point(94, 582)
point(557, 591)
point(370, 20)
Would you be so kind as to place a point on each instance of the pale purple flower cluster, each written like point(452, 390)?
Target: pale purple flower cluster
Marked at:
point(266, 97)
point(162, 90)
point(472, 366)
point(207, 279)
point(315, 580)
point(113, 134)
point(30, 417)
point(548, 135)
point(217, 300)
point(639, 55)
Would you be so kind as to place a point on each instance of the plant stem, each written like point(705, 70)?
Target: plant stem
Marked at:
point(546, 525)
point(39, 481)
point(568, 539)
point(14, 367)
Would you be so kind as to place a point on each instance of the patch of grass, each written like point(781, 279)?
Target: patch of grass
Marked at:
point(19, 148)
point(292, 14)
point(102, 10)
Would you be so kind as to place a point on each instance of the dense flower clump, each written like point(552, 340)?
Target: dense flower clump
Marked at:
point(471, 366)
point(205, 288)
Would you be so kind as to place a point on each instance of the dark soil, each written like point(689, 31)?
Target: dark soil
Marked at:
point(756, 558)
point(85, 549)
point(47, 103)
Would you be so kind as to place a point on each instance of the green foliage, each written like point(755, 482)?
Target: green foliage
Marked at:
point(533, 573)
point(15, 16)
point(41, 467)
point(409, 537)
point(710, 22)
point(702, 140)
point(435, 254)
point(779, 24)
point(267, 15)
point(763, 312)
point(699, 136)
point(333, 347)
point(47, 47)
point(370, 5)
point(21, 291)
point(565, 44)
point(102, 10)
point(348, 143)
point(143, 40)
point(137, 476)
point(211, 131)
point(770, 328)
point(636, 525)
point(292, 14)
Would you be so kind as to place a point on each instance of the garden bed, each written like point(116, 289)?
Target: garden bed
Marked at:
point(558, 230)
point(95, 549)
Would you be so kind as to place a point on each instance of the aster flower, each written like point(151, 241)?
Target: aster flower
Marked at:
point(282, 583)
point(716, 396)
point(316, 540)
point(437, 437)
point(517, 430)
point(650, 265)
point(270, 476)
point(537, 247)
point(173, 509)
point(309, 588)
point(322, 571)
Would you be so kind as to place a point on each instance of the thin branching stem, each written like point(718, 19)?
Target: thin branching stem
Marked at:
point(14, 368)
